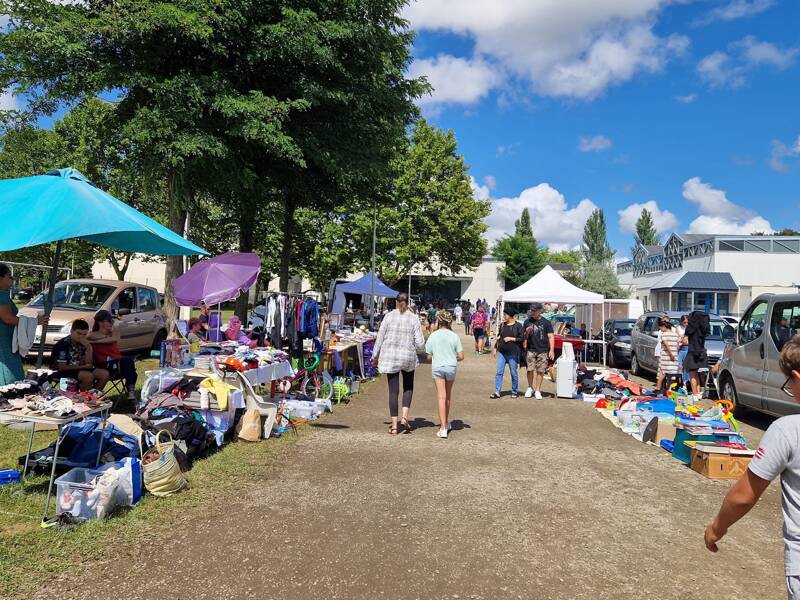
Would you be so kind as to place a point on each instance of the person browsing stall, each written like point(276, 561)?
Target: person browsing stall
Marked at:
point(778, 455)
point(507, 351)
point(106, 354)
point(73, 357)
point(11, 369)
point(540, 342)
point(670, 346)
point(194, 335)
point(444, 350)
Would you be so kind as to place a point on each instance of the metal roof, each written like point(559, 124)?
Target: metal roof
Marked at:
point(700, 281)
point(654, 249)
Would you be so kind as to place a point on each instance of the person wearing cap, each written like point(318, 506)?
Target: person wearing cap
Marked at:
point(106, 354)
point(444, 350)
point(508, 350)
point(540, 342)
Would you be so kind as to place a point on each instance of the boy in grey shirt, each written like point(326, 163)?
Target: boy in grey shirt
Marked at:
point(777, 454)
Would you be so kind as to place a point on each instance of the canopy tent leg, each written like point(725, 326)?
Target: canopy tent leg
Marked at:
point(603, 325)
point(48, 302)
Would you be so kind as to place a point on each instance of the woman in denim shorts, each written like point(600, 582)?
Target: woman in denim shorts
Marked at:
point(444, 349)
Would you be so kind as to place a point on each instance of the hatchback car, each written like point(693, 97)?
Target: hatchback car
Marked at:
point(141, 323)
point(618, 340)
point(749, 375)
point(645, 333)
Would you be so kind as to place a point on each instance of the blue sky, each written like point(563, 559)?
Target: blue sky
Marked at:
point(687, 107)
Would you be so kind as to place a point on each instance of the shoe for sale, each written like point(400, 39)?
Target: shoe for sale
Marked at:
point(529, 393)
point(538, 395)
point(442, 433)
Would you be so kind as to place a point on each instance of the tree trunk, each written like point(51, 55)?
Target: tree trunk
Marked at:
point(246, 244)
point(174, 269)
point(120, 270)
point(288, 238)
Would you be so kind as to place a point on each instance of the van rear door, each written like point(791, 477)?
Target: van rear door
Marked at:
point(749, 355)
point(784, 324)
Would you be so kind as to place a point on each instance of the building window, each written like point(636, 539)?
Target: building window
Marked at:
point(723, 304)
point(731, 246)
point(758, 245)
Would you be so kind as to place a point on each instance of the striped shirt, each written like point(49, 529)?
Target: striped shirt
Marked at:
point(669, 339)
point(399, 341)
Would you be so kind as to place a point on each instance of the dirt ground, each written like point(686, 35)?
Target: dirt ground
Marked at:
point(526, 499)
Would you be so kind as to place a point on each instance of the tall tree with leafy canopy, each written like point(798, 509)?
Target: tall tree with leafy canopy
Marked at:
point(595, 247)
point(522, 226)
point(646, 233)
point(601, 278)
point(307, 97)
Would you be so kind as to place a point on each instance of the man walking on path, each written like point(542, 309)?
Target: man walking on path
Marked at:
point(540, 342)
point(777, 455)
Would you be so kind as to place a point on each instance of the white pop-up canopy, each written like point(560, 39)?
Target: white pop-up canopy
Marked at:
point(548, 286)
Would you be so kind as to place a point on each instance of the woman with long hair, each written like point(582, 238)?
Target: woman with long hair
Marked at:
point(399, 341)
point(106, 354)
point(445, 351)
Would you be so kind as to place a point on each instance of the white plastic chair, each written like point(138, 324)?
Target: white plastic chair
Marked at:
point(256, 402)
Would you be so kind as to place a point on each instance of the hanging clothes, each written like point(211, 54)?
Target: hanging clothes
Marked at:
point(309, 318)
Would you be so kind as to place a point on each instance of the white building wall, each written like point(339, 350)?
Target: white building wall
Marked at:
point(139, 271)
point(760, 269)
point(484, 282)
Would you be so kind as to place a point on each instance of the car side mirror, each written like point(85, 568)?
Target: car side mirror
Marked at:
point(728, 334)
point(122, 312)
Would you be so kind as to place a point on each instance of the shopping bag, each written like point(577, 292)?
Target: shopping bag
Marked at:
point(249, 426)
point(160, 469)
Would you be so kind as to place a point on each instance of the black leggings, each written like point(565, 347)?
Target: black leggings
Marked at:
point(394, 390)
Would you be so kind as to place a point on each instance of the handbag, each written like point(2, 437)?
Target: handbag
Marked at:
point(249, 427)
point(160, 469)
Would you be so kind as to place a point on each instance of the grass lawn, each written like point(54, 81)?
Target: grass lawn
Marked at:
point(30, 554)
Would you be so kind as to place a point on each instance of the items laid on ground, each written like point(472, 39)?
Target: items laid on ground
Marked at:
point(702, 434)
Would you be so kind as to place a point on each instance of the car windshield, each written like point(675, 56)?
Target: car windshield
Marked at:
point(716, 329)
point(623, 327)
point(76, 296)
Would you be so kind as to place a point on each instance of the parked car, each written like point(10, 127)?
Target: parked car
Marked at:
point(23, 294)
point(618, 340)
point(141, 323)
point(645, 332)
point(732, 321)
point(749, 375)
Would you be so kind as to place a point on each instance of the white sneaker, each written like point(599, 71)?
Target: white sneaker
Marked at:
point(529, 393)
point(538, 395)
point(442, 433)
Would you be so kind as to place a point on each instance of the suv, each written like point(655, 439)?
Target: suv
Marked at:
point(645, 332)
point(141, 323)
point(749, 375)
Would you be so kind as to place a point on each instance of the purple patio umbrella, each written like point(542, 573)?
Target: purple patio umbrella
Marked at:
point(217, 279)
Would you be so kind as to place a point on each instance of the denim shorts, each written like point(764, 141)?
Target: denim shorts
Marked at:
point(446, 373)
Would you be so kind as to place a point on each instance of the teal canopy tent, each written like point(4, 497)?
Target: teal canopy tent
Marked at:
point(62, 205)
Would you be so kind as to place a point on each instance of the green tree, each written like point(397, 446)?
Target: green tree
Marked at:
point(601, 278)
point(573, 258)
point(646, 233)
point(595, 247)
point(309, 98)
point(522, 226)
point(523, 258)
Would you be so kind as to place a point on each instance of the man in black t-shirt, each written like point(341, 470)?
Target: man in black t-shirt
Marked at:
point(72, 357)
point(540, 341)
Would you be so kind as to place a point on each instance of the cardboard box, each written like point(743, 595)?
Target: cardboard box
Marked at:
point(719, 466)
point(665, 431)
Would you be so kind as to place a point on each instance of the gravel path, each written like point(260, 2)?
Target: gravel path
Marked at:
point(527, 499)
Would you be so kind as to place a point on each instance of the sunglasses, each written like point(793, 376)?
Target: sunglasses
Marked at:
point(786, 388)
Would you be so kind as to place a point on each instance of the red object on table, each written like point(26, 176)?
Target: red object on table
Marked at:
point(577, 343)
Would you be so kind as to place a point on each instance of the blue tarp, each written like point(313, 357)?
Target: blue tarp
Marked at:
point(63, 205)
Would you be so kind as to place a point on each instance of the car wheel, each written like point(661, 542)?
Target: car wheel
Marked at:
point(729, 394)
point(635, 368)
point(612, 362)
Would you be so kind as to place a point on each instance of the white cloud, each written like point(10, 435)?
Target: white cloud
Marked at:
point(718, 214)
point(570, 48)
point(781, 154)
point(554, 222)
point(507, 149)
point(455, 80)
point(480, 192)
point(662, 219)
point(597, 143)
point(8, 101)
point(730, 69)
point(687, 99)
point(490, 181)
point(737, 9)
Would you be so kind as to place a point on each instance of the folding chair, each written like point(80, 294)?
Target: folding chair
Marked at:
point(182, 327)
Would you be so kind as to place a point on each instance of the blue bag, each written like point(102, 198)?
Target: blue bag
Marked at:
point(83, 438)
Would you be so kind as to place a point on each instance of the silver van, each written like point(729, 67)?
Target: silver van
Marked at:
point(645, 333)
point(749, 375)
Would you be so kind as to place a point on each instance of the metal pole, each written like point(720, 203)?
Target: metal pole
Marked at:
point(603, 317)
point(372, 280)
point(48, 303)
